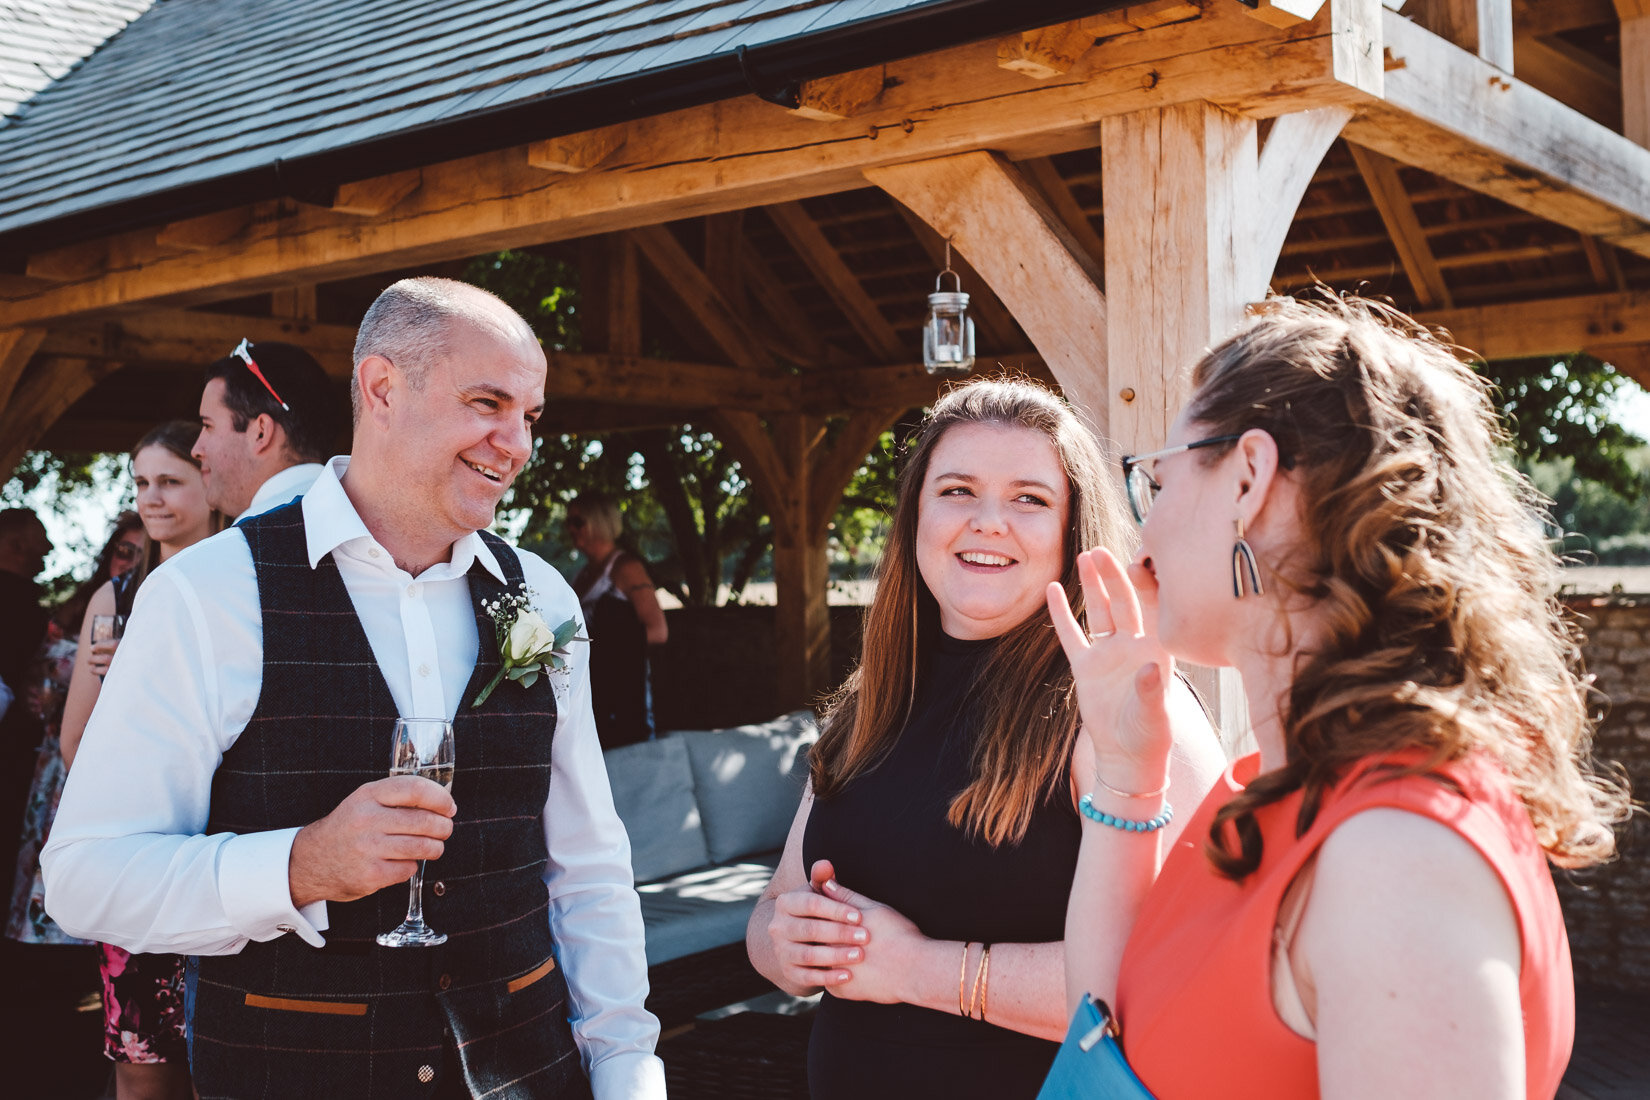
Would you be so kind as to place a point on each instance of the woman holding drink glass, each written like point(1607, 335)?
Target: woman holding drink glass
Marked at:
point(142, 994)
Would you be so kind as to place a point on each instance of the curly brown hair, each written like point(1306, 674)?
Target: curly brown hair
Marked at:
point(1428, 555)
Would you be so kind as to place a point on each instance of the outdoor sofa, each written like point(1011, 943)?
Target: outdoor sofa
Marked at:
point(707, 812)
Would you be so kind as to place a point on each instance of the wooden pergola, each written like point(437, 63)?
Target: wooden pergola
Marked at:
point(1120, 188)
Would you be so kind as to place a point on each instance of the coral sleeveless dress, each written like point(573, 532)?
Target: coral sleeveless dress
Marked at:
point(1194, 994)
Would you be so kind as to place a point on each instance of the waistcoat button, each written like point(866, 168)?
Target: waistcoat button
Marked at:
point(445, 982)
point(439, 889)
point(426, 1074)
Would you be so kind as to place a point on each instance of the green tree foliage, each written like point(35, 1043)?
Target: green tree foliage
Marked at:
point(1560, 410)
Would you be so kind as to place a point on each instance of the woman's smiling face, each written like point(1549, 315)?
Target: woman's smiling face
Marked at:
point(991, 526)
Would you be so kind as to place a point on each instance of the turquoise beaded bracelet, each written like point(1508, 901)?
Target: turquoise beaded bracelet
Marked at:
point(1086, 805)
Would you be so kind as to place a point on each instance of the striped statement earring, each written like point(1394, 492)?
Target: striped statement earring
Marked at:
point(1244, 565)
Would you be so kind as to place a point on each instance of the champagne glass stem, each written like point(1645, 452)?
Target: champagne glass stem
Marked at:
point(415, 896)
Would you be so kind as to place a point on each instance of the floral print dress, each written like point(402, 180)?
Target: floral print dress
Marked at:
point(27, 921)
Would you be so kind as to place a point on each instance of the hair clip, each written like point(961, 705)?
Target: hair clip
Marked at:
point(246, 357)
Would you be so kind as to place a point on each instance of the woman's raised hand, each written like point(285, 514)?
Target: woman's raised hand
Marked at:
point(816, 937)
point(1121, 672)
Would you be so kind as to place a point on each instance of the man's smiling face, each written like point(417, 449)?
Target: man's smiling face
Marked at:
point(464, 433)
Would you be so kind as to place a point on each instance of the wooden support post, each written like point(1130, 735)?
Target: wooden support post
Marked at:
point(1190, 206)
point(1483, 27)
point(1180, 194)
point(17, 347)
point(724, 255)
point(800, 477)
point(1046, 280)
point(294, 303)
point(611, 295)
point(1398, 215)
point(1635, 69)
point(1294, 148)
point(44, 395)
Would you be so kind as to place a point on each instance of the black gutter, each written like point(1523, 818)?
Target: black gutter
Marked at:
point(772, 71)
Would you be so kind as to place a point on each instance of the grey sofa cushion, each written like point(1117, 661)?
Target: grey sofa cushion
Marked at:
point(653, 792)
point(748, 780)
point(702, 909)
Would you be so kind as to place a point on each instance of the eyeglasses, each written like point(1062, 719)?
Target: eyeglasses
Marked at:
point(1141, 488)
point(126, 551)
point(244, 353)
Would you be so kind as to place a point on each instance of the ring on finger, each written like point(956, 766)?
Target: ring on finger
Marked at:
point(1095, 635)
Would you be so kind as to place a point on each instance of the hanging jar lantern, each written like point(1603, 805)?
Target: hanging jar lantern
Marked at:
point(948, 332)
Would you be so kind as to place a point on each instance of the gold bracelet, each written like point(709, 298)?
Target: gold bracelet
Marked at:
point(1159, 793)
point(962, 980)
point(982, 979)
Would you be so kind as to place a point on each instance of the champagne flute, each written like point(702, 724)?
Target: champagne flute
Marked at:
point(423, 746)
point(107, 628)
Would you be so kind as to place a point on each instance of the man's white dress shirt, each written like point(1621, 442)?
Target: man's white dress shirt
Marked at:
point(128, 864)
point(294, 481)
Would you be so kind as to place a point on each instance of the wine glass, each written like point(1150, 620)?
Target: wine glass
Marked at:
point(107, 628)
point(423, 746)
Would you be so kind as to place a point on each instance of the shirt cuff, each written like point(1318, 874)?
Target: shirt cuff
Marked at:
point(254, 883)
point(632, 1074)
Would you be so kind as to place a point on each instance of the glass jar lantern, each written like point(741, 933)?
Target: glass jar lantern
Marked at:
point(948, 331)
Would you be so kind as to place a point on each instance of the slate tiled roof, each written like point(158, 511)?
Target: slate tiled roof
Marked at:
point(40, 40)
point(196, 91)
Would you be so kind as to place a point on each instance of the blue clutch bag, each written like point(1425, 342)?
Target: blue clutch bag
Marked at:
point(1090, 1065)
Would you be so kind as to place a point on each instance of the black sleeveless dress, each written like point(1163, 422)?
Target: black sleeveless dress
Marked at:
point(888, 838)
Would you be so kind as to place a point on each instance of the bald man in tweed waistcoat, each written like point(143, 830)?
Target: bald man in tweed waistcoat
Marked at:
point(231, 798)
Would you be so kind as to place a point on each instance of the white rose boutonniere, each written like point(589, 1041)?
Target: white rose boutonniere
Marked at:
point(527, 645)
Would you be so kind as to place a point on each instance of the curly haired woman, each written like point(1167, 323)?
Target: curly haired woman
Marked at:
point(1363, 908)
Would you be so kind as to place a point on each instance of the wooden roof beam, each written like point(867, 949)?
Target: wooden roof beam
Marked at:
point(845, 95)
point(371, 197)
point(1548, 326)
point(1483, 27)
point(197, 338)
point(1571, 75)
point(701, 301)
point(1072, 215)
point(742, 153)
point(843, 286)
point(1466, 121)
point(1398, 215)
point(1533, 18)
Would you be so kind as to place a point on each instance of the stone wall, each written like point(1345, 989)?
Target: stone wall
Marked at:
point(1607, 908)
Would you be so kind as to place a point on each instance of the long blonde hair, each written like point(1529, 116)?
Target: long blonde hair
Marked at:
point(1026, 706)
point(1425, 553)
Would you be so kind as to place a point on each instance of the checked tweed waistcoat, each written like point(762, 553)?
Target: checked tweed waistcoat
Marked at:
point(282, 1019)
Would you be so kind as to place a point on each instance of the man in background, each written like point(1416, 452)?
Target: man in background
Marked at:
point(269, 418)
